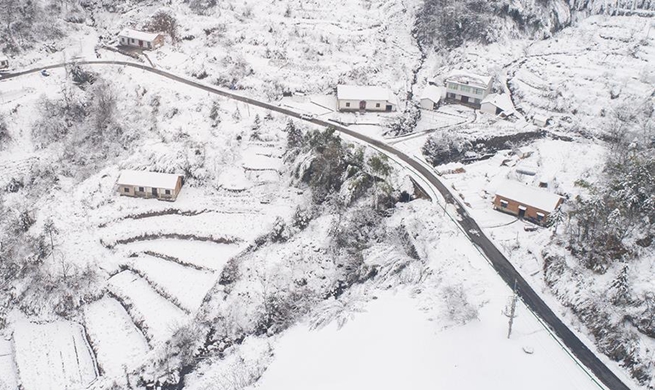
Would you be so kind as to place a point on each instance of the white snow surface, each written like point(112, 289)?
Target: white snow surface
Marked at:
point(185, 284)
point(394, 344)
point(52, 356)
point(362, 92)
point(433, 93)
point(140, 35)
point(119, 344)
point(161, 317)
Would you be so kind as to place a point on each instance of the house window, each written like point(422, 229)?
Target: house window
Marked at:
point(450, 95)
point(453, 86)
point(168, 192)
point(504, 204)
point(149, 46)
point(540, 217)
point(477, 101)
point(347, 104)
point(466, 88)
point(126, 189)
point(141, 189)
point(479, 91)
point(377, 105)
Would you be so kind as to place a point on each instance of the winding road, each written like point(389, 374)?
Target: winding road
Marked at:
point(468, 225)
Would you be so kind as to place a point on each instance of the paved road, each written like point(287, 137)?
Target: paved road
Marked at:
point(500, 263)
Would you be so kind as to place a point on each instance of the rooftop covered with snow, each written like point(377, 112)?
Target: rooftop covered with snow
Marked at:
point(140, 35)
point(432, 93)
point(530, 196)
point(502, 101)
point(357, 92)
point(464, 77)
point(148, 179)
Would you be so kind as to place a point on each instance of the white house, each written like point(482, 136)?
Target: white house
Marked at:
point(4, 62)
point(496, 104)
point(144, 184)
point(365, 98)
point(144, 40)
point(467, 87)
point(431, 97)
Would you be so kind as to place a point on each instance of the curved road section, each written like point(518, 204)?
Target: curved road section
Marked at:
point(500, 263)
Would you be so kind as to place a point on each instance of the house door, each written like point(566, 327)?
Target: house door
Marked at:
point(389, 107)
point(154, 192)
point(141, 43)
point(362, 105)
point(465, 99)
point(522, 210)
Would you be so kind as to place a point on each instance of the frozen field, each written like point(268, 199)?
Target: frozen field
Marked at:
point(159, 317)
point(394, 345)
point(206, 255)
point(185, 285)
point(52, 356)
point(118, 343)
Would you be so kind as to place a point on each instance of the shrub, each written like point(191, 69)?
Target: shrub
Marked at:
point(163, 21)
point(444, 147)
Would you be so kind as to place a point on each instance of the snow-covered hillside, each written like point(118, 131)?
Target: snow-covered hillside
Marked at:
point(290, 250)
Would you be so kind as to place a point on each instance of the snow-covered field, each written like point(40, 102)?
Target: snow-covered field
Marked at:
point(53, 356)
point(118, 343)
point(395, 344)
point(146, 307)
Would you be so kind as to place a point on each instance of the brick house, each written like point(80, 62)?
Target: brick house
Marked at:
point(526, 202)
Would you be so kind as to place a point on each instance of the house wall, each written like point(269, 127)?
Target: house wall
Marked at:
point(157, 42)
point(428, 104)
point(342, 105)
point(513, 208)
point(475, 94)
point(134, 191)
point(488, 108)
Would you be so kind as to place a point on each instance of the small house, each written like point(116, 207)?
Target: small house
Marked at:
point(365, 98)
point(497, 104)
point(467, 88)
point(530, 203)
point(540, 120)
point(140, 39)
point(144, 184)
point(431, 97)
point(4, 62)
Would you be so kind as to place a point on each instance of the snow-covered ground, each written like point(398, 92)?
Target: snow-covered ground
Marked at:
point(438, 322)
point(118, 343)
point(395, 344)
point(406, 337)
point(53, 356)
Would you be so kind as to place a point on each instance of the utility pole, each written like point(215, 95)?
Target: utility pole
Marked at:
point(510, 310)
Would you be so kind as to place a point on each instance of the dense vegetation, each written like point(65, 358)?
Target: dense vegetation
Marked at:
point(610, 231)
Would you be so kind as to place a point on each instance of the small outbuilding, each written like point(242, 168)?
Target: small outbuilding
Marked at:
point(540, 120)
point(431, 97)
point(497, 104)
point(4, 62)
point(530, 203)
point(365, 98)
point(140, 39)
point(144, 184)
